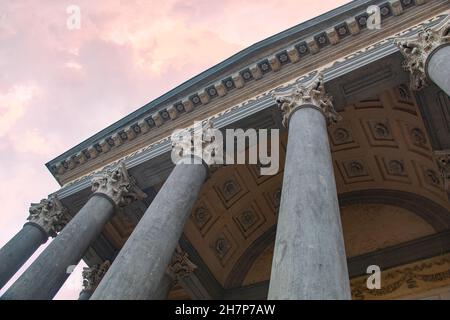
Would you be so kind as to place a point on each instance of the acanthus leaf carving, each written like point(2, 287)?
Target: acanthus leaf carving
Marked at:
point(309, 94)
point(49, 214)
point(118, 185)
point(443, 161)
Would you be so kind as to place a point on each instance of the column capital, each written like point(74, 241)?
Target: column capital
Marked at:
point(443, 161)
point(49, 214)
point(93, 275)
point(118, 186)
point(311, 94)
point(181, 266)
point(204, 145)
point(418, 49)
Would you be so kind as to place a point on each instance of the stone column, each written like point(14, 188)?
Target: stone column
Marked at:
point(46, 219)
point(49, 271)
point(141, 264)
point(309, 260)
point(91, 278)
point(427, 56)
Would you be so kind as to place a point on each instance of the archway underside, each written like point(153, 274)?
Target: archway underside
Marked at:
point(388, 183)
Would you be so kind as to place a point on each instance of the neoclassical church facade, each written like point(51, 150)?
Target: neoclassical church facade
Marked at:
point(363, 115)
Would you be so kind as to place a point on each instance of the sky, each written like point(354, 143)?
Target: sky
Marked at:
point(60, 84)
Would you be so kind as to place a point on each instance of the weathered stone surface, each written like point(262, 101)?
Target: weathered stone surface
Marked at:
point(438, 68)
point(142, 263)
point(418, 49)
point(309, 258)
point(48, 272)
point(117, 185)
point(46, 219)
point(17, 251)
point(91, 278)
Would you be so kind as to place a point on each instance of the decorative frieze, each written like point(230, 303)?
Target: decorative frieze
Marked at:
point(307, 95)
point(49, 214)
point(118, 186)
point(180, 266)
point(418, 48)
point(93, 275)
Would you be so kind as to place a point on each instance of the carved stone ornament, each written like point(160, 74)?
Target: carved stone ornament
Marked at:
point(49, 214)
point(417, 49)
point(118, 186)
point(181, 266)
point(93, 275)
point(205, 143)
point(443, 161)
point(307, 95)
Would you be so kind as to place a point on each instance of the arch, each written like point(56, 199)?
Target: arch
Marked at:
point(434, 214)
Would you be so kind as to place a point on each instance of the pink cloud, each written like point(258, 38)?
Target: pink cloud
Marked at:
point(58, 87)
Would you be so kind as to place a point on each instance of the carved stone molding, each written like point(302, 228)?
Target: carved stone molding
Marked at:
point(181, 266)
point(307, 95)
point(93, 275)
point(417, 50)
point(49, 214)
point(118, 186)
point(202, 144)
point(443, 161)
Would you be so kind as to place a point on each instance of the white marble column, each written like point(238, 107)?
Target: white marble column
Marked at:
point(141, 264)
point(46, 219)
point(309, 260)
point(427, 56)
point(48, 272)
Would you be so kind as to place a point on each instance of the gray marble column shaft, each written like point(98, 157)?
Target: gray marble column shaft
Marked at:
point(309, 259)
point(47, 274)
point(141, 264)
point(164, 288)
point(19, 249)
point(438, 67)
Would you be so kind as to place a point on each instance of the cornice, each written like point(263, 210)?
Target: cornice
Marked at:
point(333, 28)
point(254, 105)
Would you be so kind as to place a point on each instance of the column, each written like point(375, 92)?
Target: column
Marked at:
point(427, 56)
point(49, 271)
point(46, 219)
point(309, 259)
point(141, 264)
point(91, 278)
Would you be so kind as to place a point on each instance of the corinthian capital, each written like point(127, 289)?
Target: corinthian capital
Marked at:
point(201, 143)
point(311, 94)
point(93, 275)
point(118, 186)
point(180, 266)
point(418, 48)
point(49, 214)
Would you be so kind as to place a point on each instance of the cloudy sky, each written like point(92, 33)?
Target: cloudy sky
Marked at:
point(58, 86)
